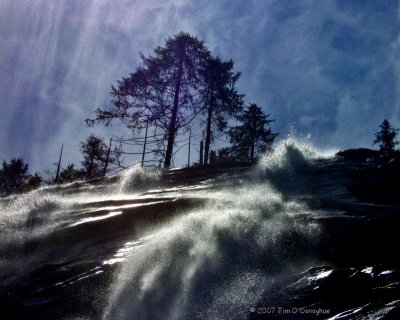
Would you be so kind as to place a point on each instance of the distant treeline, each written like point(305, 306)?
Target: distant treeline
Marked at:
point(98, 159)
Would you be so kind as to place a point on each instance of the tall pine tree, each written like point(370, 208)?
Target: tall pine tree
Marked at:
point(163, 92)
point(94, 152)
point(253, 136)
point(221, 98)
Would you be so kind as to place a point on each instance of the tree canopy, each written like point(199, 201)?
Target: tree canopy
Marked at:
point(221, 98)
point(15, 178)
point(163, 92)
point(94, 152)
point(253, 136)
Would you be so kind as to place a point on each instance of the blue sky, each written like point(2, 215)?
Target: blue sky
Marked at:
point(330, 69)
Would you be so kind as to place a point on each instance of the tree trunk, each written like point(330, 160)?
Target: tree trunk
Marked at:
point(172, 124)
point(59, 163)
point(90, 169)
point(145, 143)
point(190, 138)
point(201, 152)
point(208, 133)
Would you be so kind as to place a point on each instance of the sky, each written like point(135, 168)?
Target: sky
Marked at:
point(325, 69)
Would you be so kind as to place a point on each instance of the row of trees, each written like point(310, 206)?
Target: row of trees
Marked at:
point(98, 159)
point(180, 84)
point(248, 139)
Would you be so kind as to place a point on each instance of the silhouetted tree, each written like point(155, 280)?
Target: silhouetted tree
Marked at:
point(221, 98)
point(253, 136)
point(97, 155)
point(386, 137)
point(13, 176)
point(162, 92)
point(94, 152)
